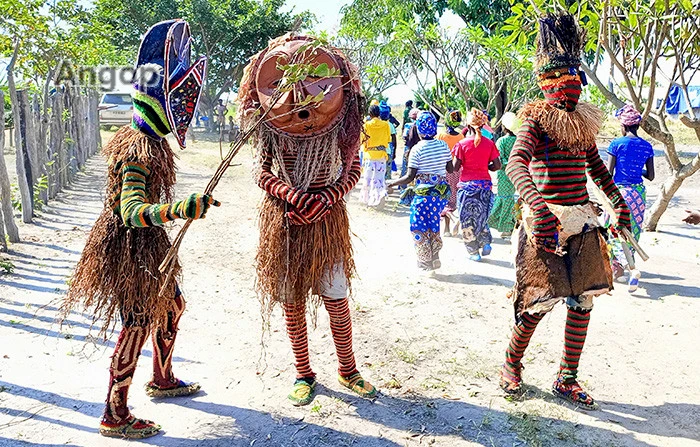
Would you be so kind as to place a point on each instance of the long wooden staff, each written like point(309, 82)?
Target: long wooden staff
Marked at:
point(168, 263)
point(625, 234)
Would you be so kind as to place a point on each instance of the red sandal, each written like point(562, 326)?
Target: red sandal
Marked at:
point(573, 393)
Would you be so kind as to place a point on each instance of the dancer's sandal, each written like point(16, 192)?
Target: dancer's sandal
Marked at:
point(134, 428)
point(573, 393)
point(303, 392)
point(511, 384)
point(180, 388)
point(358, 385)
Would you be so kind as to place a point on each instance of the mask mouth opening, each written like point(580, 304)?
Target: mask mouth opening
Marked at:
point(304, 114)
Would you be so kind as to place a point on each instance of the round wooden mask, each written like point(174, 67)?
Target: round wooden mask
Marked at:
point(288, 116)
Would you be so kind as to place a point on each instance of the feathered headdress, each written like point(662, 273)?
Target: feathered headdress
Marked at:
point(559, 42)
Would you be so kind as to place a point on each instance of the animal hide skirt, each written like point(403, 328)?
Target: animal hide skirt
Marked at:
point(543, 279)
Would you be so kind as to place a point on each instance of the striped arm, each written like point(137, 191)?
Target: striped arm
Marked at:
point(272, 184)
point(335, 192)
point(518, 170)
point(137, 212)
point(601, 177)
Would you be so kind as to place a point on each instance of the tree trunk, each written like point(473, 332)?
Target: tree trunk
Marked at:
point(5, 193)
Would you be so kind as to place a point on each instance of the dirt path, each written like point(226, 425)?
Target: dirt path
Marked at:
point(433, 345)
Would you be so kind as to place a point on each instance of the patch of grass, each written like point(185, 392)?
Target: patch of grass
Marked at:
point(404, 353)
point(392, 383)
point(7, 265)
point(435, 383)
point(316, 408)
point(539, 430)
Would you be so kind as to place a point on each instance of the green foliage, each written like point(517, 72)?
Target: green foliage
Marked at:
point(48, 31)
point(454, 69)
point(7, 265)
point(40, 186)
point(228, 32)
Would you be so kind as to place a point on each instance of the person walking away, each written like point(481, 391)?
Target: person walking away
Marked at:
point(476, 156)
point(407, 112)
point(429, 162)
point(377, 136)
point(628, 156)
point(220, 112)
point(410, 138)
point(451, 136)
point(385, 115)
point(503, 215)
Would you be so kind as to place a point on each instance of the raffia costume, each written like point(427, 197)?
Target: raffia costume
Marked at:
point(307, 161)
point(561, 251)
point(117, 275)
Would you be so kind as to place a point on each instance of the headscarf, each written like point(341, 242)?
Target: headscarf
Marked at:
point(426, 125)
point(510, 121)
point(413, 114)
point(384, 110)
point(374, 102)
point(453, 119)
point(628, 116)
point(476, 119)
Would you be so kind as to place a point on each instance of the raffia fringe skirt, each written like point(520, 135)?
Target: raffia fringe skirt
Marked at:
point(294, 260)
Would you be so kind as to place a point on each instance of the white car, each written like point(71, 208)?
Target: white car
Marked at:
point(115, 109)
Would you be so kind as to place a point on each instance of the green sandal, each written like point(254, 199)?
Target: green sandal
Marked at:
point(303, 392)
point(358, 385)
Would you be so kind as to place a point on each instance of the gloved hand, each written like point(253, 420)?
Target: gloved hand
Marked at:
point(545, 229)
point(316, 213)
point(195, 206)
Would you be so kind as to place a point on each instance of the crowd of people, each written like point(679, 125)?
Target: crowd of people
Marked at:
point(448, 175)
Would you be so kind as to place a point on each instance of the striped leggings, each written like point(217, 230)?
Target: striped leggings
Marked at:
point(574, 338)
point(341, 329)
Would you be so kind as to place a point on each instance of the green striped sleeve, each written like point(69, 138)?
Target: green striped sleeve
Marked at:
point(136, 211)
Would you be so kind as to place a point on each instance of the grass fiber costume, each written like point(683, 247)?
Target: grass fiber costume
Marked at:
point(307, 161)
point(117, 274)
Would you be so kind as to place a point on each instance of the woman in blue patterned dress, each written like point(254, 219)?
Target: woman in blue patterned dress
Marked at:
point(429, 162)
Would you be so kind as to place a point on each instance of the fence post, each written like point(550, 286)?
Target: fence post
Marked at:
point(5, 193)
point(56, 137)
point(40, 149)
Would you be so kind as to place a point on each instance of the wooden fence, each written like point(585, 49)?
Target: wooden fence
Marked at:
point(54, 137)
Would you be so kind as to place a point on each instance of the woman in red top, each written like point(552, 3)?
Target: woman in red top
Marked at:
point(476, 156)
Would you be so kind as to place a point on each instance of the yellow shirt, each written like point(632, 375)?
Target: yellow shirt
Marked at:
point(378, 133)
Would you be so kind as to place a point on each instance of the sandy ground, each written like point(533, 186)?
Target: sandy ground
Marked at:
point(433, 345)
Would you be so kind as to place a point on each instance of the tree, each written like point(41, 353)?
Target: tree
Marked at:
point(378, 70)
point(227, 32)
point(638, 37)
point(470, 66)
